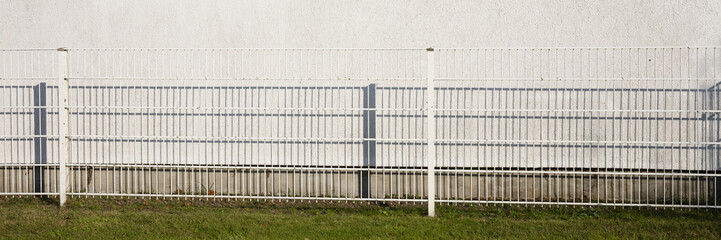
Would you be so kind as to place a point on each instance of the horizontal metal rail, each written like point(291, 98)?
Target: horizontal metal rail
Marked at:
point(249, 197)
point(311, 139)
point(600, 204)
point(208, 167)
point(341, 79)
point(634, 172)
point(29, 194)
point(206, 108)
point(570, 79)
point(250, 49)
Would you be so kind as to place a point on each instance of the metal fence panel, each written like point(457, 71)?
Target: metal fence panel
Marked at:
point(568, 126)
point(609, 126)
point(28, 113)
point(247, 123)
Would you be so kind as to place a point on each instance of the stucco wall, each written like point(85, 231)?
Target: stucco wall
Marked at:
point(270, 23)
point(353, 24)
point(336, 24)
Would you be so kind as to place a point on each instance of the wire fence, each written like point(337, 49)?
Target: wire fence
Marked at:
point(567, 126)
point(579, 126)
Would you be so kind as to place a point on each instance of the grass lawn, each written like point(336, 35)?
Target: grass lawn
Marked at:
point(145, 218)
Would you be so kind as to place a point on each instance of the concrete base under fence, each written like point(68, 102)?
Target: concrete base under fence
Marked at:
point(356, 184)
point(693, 190)
point(28, 180)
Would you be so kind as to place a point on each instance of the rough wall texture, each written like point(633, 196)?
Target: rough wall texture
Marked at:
point(271, 23)
point(336, 24)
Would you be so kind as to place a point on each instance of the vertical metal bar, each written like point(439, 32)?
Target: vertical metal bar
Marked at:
point(63, 117)
point(431, 157)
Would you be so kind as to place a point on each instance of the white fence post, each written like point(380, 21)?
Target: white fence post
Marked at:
point(63, 117)
point(431, 135)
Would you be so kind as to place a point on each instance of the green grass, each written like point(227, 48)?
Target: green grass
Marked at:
point(138, 218)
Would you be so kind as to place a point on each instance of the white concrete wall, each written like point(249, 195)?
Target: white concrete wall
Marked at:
point(334, 24)
point(251, 107)
point(380, 23)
